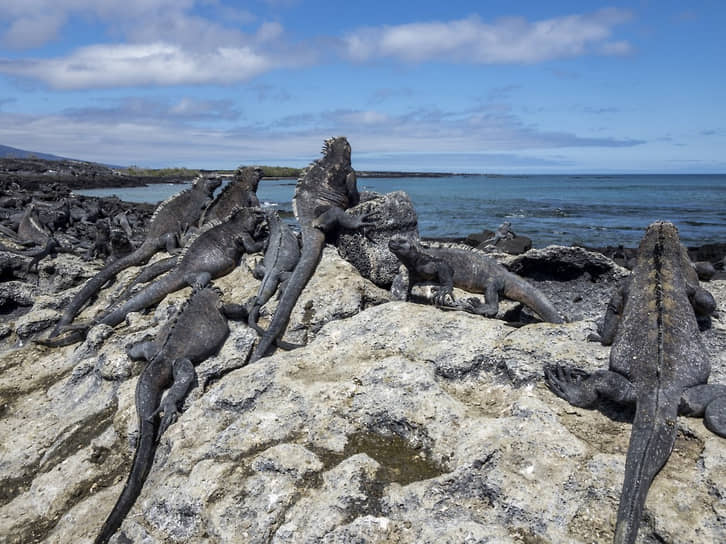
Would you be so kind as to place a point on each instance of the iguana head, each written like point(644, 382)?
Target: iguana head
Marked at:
point(402, 246)
point(336, 150)
point(661, 237)
point(249, 176)
point(206, 184)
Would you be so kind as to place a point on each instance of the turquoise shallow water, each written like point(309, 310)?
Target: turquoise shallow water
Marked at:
point(551, 209)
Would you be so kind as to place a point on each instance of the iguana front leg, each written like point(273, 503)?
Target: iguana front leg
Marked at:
point(582, 389)
point(707, 401)
point(334, 217)
point(183, 375)
point(250, 244)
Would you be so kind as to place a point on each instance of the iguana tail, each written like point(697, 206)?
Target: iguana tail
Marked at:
point(313, 243)
point(147, 397)
point(522, 291)
point(149, 273)
point(148, 296)
point(142, 254)
point(267, 289)
point(651, 443)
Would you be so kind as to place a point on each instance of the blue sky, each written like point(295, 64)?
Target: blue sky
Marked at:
point(497, 87)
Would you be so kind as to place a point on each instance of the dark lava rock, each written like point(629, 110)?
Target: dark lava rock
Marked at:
point(513, 246)
point(563, 263)
point(578, 282)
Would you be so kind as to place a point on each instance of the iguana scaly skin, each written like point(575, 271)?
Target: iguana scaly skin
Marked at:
point(324, 191)
point(171, 216)
point(281, 256)
point(657, 362)
point(197, 332)
point(470, 271)
point(241, 192)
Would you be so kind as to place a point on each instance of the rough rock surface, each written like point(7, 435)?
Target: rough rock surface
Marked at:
point(368, 251)
point(398, 423)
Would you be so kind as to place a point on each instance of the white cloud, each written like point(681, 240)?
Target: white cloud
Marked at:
point(144, 64)
point(510, 40)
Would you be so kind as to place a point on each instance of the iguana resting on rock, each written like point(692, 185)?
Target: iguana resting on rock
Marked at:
point(214, 253)
point(324, 191)
point(197, 332)
point(281, 256)
point(657, 362)
point(171, 216)
point(471, 271)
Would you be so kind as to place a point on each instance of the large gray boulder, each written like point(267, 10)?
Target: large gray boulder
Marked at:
point(368, 251)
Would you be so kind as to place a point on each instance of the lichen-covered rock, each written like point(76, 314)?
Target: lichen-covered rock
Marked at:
point(368, 251)
point(336, 291)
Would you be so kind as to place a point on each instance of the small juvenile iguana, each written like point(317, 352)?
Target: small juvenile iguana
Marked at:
point(657, 362)
point(197, 332)
point(171, 216)
point(214, 253)
point(471, 271)
point(324, 191)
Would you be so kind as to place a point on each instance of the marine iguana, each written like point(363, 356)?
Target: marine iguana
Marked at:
point(241, 192)
point(197, 332)
point(471, 271)
point(30, 230)
point(503, 232)
point(281, 256)
point(170, 217)
point(215, 252)
point(657, 362)
point(325, 189)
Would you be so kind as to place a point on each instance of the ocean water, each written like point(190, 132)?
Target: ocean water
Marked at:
point(550, 209)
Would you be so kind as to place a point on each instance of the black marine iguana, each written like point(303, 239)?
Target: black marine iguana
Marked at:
point(241, 192)
point(215, 252)
point(657, 362)
point(324, 191)
point(197, 332)
point(471, 271)
point(170, 217)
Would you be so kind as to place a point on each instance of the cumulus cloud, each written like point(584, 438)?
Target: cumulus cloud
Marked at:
point(508, 40)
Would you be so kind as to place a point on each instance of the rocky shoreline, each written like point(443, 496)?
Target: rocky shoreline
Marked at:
point(396, 423)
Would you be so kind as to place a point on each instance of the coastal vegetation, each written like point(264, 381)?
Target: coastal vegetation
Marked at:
point(161, 172)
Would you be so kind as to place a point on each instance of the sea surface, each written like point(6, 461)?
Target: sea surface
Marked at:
point(550, 209)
